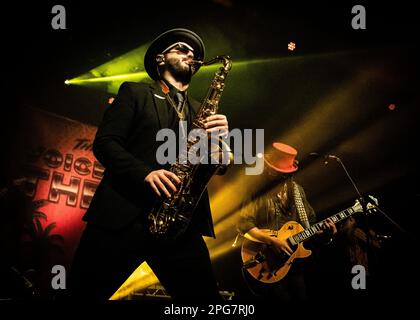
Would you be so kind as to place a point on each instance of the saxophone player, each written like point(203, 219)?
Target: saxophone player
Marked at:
point(116, 239)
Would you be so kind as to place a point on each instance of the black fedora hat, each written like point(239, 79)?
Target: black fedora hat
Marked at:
point(165, 41)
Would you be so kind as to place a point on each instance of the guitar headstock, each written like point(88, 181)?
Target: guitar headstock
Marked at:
point(371, 204)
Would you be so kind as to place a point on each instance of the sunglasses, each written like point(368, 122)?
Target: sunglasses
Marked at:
point(179, 46)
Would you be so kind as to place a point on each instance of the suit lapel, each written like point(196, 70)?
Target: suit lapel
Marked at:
point(160, 105)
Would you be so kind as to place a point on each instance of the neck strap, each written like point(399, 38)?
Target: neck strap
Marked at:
point(303, 217)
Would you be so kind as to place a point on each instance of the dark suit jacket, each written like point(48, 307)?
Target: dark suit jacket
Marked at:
point(126, 145)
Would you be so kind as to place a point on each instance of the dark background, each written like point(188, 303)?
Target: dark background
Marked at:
point(37, 60)
point(42, 58)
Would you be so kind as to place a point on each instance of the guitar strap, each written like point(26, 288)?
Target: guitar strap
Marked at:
point(303, 217)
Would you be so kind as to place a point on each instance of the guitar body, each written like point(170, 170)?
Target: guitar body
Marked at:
point(267, 264)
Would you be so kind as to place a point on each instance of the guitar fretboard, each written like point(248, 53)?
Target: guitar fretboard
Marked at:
point(307, 233)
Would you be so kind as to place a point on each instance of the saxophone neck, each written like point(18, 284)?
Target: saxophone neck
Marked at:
point(226, 60)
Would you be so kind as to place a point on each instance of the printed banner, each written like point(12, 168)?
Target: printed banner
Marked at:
point(53, 156)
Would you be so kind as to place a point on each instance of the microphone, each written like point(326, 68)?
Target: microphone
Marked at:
point(333, 157)
point(326, 157)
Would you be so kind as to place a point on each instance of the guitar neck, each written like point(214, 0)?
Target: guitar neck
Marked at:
point(308, 233)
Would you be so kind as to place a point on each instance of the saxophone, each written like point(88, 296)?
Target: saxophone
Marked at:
point(170, 217)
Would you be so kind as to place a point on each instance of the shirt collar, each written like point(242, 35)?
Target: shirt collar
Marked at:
point(173, 91)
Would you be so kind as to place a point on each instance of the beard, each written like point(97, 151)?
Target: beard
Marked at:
point(179, 70)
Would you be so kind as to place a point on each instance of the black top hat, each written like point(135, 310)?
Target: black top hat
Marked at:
point(165, 41)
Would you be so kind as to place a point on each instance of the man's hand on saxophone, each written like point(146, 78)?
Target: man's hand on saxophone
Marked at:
point(162, 180)
point(217, 123)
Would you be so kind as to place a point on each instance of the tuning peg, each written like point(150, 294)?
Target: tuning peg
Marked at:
point(373, 199)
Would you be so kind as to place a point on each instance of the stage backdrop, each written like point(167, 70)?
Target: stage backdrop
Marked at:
point(54, 157)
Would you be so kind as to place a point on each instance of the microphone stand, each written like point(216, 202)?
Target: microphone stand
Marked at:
point(361, 198)
point(369, 241)
point(371, 256)
point(363, 201)
point(373, 260)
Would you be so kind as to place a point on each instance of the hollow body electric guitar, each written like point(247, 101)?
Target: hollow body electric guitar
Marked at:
point(268, 264)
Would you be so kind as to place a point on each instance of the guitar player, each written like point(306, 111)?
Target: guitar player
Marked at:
point(277, 201)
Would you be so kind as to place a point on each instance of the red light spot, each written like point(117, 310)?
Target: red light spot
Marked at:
point(392, 107)
point(291, 46)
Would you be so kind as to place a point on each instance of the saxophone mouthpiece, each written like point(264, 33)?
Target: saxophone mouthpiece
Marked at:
point(196, 62)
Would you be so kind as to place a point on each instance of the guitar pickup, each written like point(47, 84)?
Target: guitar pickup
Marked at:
point(258, 258)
